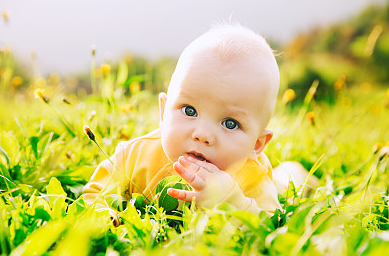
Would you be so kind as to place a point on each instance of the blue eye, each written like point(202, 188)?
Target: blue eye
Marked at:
point(189, 111)
point(230, 124)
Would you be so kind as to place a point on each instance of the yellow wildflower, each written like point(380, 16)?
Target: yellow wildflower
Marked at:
point(134, 87)
point(126, 108)
point(105, 69)
point(340, 83)
point(5, 16)
point(17, 81)
point(311, 117)
point(387, 93)
point(288, 95)
point(40, 93)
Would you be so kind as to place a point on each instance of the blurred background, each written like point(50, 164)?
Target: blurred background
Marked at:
point(74, 43)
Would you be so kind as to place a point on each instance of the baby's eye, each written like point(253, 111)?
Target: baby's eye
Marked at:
point(230, 124)
point(189, 111)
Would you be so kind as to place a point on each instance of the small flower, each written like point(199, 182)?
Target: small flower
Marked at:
point(387, 93)
point(288, 95)
point(311, 117)
point(40, 93)
point(17, 81)
point(5, 17)
point(126, 108)
point(89, 132)
point(134, 87)
point(340, 83)
point(105, 68)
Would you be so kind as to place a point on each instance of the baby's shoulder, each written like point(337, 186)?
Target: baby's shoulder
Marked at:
point(153, 138)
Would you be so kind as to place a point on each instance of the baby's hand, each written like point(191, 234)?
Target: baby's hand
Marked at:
point(211, 185)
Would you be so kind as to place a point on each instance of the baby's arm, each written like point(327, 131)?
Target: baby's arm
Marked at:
point(211, 186)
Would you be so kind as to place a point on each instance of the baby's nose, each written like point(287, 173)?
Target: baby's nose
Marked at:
point(203, 135)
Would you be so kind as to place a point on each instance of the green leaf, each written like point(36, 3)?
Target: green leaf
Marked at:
point(34, 145)
point(44, 143)
point(9, 146)
point(297, 222)
point(39, 241)
point(167, 202)
point(113, 201)
point(57, 198)
point(77, 206)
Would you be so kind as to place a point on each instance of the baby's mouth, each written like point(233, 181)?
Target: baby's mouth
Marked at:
point(197, 156)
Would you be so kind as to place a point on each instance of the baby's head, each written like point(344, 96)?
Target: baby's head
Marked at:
point(220, 98)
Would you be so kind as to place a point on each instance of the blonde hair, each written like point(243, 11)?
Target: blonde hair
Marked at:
point(231, 42)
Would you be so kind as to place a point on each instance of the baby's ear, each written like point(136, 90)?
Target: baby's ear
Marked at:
point(162, 101)
point(261, 143)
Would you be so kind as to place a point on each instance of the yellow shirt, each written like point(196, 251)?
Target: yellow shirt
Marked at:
point(144, 161)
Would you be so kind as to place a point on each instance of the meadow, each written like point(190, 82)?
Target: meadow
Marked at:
point(335, 124)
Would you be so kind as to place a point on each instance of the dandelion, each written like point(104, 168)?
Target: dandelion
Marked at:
point(126, 108)
point(40, 93)
point(134, 87)
point(5, 16)
point(311, 117)
point(387, 93)
point(288, 95)
point(16, 81)
point(340, 83)
point(105, 68)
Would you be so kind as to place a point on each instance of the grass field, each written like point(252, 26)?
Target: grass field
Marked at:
point(46, 158)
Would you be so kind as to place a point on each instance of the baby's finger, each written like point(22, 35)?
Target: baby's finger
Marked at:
point(183, 195)
point(203, 165)
point(194, 180)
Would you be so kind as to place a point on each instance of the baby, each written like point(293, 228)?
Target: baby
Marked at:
point(212, 128)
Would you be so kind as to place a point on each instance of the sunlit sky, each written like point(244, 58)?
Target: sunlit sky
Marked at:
point(61, 32)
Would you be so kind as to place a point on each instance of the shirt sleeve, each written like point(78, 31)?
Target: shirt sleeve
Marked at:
point(256, 183)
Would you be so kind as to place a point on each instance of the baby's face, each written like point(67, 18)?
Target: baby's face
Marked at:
point(213, 112)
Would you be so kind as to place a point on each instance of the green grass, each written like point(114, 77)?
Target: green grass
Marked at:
point(46, 158)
